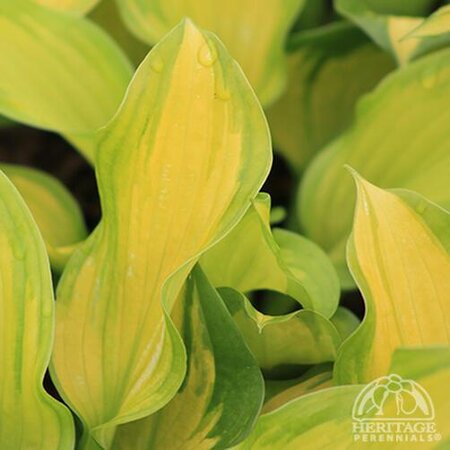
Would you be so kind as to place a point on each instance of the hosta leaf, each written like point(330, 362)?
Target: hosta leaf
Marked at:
point(345, 322)
point(274, 387)
point(254, 32)
point(401, 7)
point(282, 344)
point(222, 393)
point(329, 69)
point(389, 23)
point(253, 258)
point(312, 269)
point(72, 6)
point(177, 168)
point(277, 214)
point(58, 72)
point(399, 255)
point(316, 378)
point(323, 420)
point(391, 144)
point(106, 14)
point(438, 23)
point(313, 14)
point(56, 212)
point(30, 418)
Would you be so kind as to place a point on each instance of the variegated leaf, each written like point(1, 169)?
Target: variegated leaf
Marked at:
point(323, 419)
point(329, 69)
point(30, 418)
point(56, 212)
point(254, 32)
point(399, 255)
point(222, 393)
point(391, 144)
point(58, 72)
point(177, 168)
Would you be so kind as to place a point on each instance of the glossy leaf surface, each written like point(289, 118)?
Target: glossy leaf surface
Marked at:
point(55, 211)
point(390, 23)
point(391, 144)
point(318, 377)
point(399, 255)
point(329, 68)
point(31, 419)
point(169, 190)
point(58, 72)
point(107, 16)
point(253, 257)
point(222, 393)
point(323, 420)
point(253, 32)
point(282, 344)
point(78, 7)
point(435, 25)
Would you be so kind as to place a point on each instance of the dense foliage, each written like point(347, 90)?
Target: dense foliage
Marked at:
point(186, 319)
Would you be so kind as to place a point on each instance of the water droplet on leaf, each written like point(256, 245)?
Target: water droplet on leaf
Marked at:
point(207, 55)
point(157, 63)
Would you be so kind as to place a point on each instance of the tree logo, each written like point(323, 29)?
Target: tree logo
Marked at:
point(394, 409)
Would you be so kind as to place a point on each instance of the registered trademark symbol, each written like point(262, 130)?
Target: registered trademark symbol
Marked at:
point(437, 437)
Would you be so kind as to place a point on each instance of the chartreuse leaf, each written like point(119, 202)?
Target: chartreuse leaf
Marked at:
point(274, 387)
point(177, 168)
point(391, 144)
point(56, 212)
point(72, 6)
point(282, 344)
point(58, 72)
point(345, 322)
point(399, 255)
point(223, 391)
point(318, 377)
point(254, 32)
point(323, 419)
point(277, 214)
point(251, 258)
point(437, 24)
point(329, 69)
point(389, 23)
point(399, 7)
point(107, 15)
point(30, 418)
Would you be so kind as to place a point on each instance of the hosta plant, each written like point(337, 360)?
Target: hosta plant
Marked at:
point(200, 311)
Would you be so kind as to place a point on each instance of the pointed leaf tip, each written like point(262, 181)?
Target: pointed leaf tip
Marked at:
point(260, 50)
point(169, 190)
point(399, 255)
